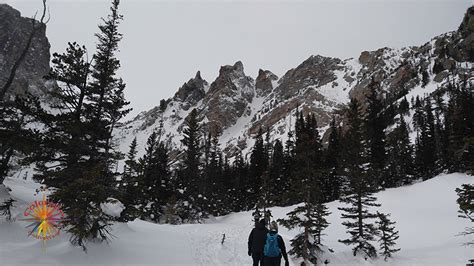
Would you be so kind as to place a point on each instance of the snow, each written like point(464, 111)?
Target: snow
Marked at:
point(113, 207)
point(426, 216)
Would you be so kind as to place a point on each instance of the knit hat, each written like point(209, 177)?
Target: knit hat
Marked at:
point(274, 226)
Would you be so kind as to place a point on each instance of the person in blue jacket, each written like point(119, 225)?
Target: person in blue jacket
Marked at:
point(274, 247)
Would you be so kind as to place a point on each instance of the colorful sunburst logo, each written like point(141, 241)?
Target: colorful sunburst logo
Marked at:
point(44, 217)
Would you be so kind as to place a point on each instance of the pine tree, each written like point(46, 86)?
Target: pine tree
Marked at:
point(425, 155)
point(287, 171)
point(276, 182)
point(400, 156)
point(387, 236)
point(375, 134)
point(333, 182)
point(357, 193)
point(459, 123)
point(258, 166)
point(77, 138)
point(241, 185)
point(404, 106)
point(466, 207)
point(191, 186)
point(129, 184)
point(311, 218)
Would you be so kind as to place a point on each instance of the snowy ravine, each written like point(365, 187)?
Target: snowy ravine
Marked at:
point(426, 216)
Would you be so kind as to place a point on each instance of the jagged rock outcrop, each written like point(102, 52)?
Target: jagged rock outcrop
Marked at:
point(314, 71)
point(229, 96)
point(264, 83)
point(192, 91)
point(14, 33)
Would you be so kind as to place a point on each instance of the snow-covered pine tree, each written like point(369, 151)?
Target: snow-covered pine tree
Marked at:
point(387, 235)
point(276, 183)
point(288, 168)
point(357, 192)
point(425, 145)
point(129, 189)
point(404, 106)
point(241, 185)
point(77, 137)
point(332, 180)
point(400, 156)
point(214, 188)
point(154, 178)
point(191, 202)
point(374, 130)
point(311, 217)
point(311, 220)
point(459, 123)
point(466, 207)
point(258, 165)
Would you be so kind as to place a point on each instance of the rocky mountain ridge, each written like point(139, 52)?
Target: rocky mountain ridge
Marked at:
point(235, 105)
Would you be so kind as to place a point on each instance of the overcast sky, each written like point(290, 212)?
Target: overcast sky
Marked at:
point(166, 42)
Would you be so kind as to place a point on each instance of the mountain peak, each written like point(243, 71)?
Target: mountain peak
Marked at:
point(235, 70)
point(198, 76)
point(467, 25)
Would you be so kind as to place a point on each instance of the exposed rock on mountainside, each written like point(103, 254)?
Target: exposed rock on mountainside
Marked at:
point(237, 106)
point(229, 96)
point(264, 84)
point(14, 33)
point(192, 91)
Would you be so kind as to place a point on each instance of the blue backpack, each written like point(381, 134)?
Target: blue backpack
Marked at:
point(271, 248)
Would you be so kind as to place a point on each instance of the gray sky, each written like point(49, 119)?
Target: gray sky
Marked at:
point(166, 42)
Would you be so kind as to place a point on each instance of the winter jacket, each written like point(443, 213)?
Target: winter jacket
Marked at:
point(257, 239)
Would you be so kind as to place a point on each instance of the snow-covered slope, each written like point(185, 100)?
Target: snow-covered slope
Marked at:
point(426, 216)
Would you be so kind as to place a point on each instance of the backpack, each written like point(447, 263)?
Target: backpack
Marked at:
point(271, 248)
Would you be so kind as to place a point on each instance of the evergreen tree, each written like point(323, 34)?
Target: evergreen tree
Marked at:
point(129, 184)
point(387, 236)
point(404, 106)
point(77, 138)
point(191, 186)
point(276, 182)
point(466, 207)
point(258, 166)
point(154, 180)
point(425, 155)
point(400, 156)
point(311, 218)
point(287, 170)
point(375, 136)
point(459, 123)
point(357, 193)
point(241, 185)
point(333, 182)
point(216, 189)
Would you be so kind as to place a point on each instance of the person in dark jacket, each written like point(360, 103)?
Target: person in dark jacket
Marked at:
point(256, 242)
point(276, 261)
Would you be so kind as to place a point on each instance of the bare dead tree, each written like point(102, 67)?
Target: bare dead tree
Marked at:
point(25, 50)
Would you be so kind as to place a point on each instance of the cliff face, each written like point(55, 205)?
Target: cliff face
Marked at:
point(14, 33)
point(236, 105)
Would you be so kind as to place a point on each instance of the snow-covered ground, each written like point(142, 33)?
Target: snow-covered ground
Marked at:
point(426, 216)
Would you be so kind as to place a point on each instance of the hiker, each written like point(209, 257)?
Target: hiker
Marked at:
point(274, 247)
point(256, 242)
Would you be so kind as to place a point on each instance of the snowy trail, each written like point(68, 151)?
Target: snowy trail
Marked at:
point(426, 216)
